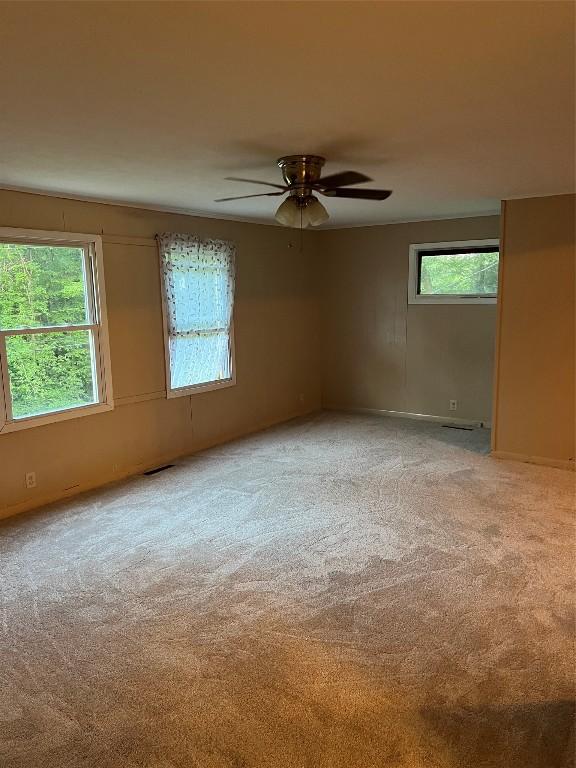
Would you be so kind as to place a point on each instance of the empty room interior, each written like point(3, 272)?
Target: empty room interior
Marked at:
point(287, 384)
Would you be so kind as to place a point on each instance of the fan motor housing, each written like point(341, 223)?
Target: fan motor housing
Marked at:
point(300, 172)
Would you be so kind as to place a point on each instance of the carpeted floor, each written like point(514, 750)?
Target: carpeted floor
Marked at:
point(338, 592)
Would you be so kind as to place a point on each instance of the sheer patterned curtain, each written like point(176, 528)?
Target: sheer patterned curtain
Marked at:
point(198, 280)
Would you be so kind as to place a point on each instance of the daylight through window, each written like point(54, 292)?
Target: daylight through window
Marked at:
point(454, 272)
point(198, 281)
point(53, 345)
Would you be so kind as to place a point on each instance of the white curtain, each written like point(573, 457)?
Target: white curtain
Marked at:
point(199, 288)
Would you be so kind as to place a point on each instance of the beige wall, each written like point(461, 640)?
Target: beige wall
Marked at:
point(534, 407)
point(348, 289)
point(380, 352)
point(276, 329)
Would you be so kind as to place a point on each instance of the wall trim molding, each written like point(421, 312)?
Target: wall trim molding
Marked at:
point(566, 464)
point(130, 399)
point(141, 206)
point(146, 242)
point(417, 416)
point(541, 460)
point(266, 222)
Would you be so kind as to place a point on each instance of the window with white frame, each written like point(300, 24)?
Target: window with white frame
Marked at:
point(461, 272)
point(54, 357)
point(198, 301)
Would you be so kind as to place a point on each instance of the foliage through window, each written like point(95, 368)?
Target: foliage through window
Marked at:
point(454, 272)
point(198, 282)
point(52, 341)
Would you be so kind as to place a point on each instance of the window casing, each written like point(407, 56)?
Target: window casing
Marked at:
point(198, 278)
point(54, 351)
point(475, 260)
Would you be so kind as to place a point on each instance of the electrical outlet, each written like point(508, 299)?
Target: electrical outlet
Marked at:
point(30, 479)
point(453, 405)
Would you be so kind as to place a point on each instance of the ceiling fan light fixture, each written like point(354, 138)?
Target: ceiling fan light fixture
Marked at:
point(288, 213)
point(303, 179)
point(316, 212)
point(301, 213)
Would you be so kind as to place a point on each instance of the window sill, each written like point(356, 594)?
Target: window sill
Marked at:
point(452, 299)
point(198, 388)
point(51, 418)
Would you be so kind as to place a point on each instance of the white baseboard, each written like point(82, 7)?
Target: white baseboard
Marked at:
point(542, 460)
point(417, 416)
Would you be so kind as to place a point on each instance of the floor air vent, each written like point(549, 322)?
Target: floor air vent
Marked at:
point(158, 469)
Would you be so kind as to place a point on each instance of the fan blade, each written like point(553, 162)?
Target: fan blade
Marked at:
point(358, 194)
point(241, 197)
point(343, 179)
point(255, 181)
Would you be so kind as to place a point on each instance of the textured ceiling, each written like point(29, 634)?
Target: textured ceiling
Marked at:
point(453, 105)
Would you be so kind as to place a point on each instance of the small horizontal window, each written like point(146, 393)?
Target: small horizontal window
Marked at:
point(454, 273)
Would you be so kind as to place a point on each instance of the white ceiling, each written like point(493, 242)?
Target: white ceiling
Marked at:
point(453, 105)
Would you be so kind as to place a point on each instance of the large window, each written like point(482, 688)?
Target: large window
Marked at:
point(464, 272)
point(54, 360)
point(198, 299)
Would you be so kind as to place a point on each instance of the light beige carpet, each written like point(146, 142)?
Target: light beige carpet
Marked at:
point(339, 592)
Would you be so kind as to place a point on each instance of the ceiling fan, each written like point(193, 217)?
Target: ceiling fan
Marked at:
point(302, 177)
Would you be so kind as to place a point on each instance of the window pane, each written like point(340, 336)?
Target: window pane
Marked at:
point(199, 359)
point(41, 285)
point(459, 273)
point(50, 371)
point(198, 280)
point(201, 298)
